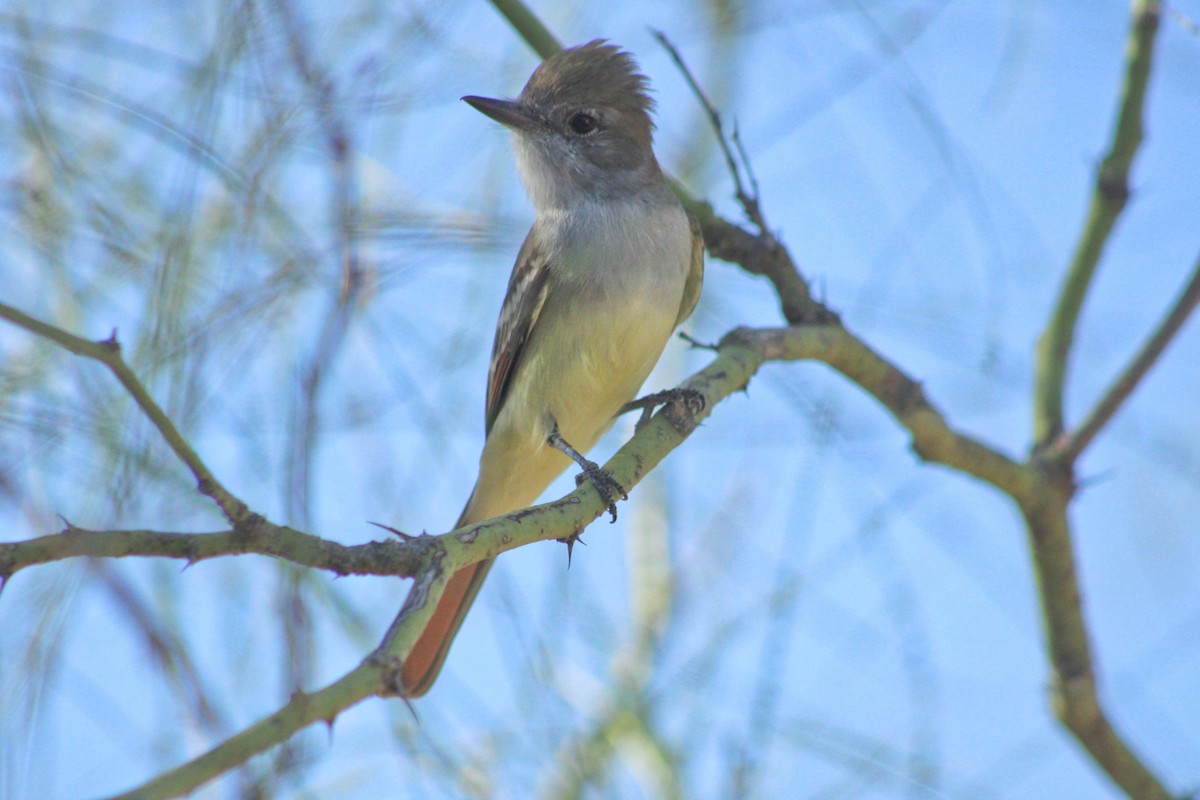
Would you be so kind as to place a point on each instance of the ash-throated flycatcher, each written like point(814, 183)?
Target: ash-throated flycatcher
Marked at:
point(612, 264)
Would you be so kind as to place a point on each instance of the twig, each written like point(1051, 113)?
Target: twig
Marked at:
point(1075, 692)
point(748, 201)
point(301, 711)
point(739, 357)
point(1069, 448)
point(256, 537)
point(755, 194)
point(528, 27)
point(108, 353)
point(1109, 196)
point(758, 254)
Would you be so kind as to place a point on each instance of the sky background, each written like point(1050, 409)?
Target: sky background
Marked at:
point(846, 621)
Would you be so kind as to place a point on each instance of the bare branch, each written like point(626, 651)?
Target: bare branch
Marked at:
point(739, 356)
point(758, 254)
point(1109, 196)
point(748, 200)
point(255, 536)
point(301, 711)
point(1111, 401)
point(108, 353)
point(1075, 693)
point(528, 27)
point(1041, 489)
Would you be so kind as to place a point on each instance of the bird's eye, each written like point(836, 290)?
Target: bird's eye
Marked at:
point(582, 123)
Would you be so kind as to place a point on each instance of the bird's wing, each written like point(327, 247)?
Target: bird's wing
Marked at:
point(526, 295)
point(695, 278)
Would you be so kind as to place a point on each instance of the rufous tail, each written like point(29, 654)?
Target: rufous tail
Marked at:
point(423, 664)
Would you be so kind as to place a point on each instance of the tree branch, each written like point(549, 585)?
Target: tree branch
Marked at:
point(301, 711)
point(1109, 196)
point(256, 536)
point(1069, 448)
point(932, 437)
point(528, 27)
point(1041, 490)
point(108, 353)
point(749, 200)
point(379, 672)
point(1075, 695)
point(738, 358)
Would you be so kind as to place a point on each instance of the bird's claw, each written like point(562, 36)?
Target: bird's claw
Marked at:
point(689, 399)
point(605, 484)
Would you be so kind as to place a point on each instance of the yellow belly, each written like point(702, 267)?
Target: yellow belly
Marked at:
point(579, 382)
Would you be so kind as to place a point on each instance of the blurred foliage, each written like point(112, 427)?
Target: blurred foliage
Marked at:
point(300, 242)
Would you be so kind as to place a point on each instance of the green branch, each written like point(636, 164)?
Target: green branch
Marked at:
point(1041, 489)
point(108, 353)
point(1111, 401)
point(1075, 691)
point(1109, 196)
point(254, 537)
point(739, 357)
point(301, 711)
point(528, 27)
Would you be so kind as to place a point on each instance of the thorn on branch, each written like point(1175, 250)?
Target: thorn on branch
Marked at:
point(1115, 187)
point(570, 543)
point(696, 343)
point(408, 537)
point(111, 344)
point(1088, 481)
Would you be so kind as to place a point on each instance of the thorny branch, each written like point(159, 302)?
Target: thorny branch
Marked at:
point(749, 199)
point(108, 353)
point(1042, 487)
point(1110, 194)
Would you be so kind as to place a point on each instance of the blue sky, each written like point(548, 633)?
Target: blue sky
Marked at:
point(865, 625)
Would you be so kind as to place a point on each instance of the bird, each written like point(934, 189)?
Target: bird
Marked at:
point(610, 267)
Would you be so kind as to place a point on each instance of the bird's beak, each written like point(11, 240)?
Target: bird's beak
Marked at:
point(506, 112)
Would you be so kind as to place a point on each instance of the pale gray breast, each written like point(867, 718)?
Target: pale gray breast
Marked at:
point(640, 247)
